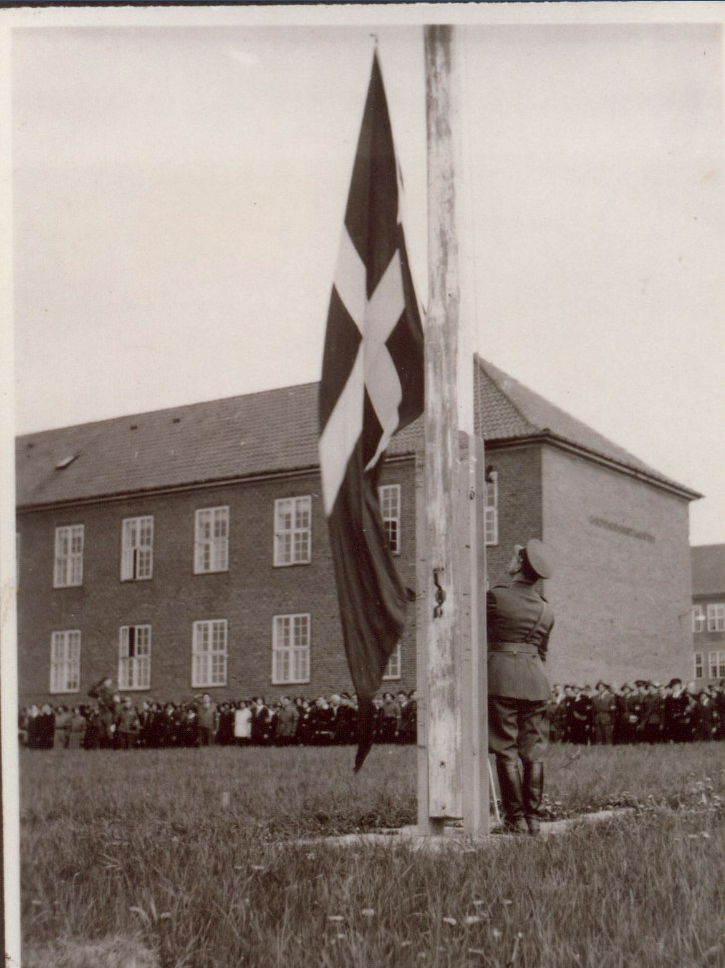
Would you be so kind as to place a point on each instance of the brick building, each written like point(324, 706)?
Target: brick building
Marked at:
point(708, 613)
point(186, 549)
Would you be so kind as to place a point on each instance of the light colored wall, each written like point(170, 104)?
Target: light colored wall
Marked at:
point(621, 597)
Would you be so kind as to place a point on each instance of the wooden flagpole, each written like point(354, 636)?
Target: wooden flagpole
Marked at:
point(453, 765)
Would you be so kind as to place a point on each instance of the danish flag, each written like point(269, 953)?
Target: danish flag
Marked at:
point(371, 387)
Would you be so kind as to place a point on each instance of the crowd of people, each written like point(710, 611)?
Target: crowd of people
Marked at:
point(116, 722)
point(646, 712)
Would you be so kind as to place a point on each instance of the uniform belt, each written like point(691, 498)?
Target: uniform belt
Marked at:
point(515, 648)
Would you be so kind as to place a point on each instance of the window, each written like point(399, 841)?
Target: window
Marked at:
point(134, 657)
point(68, 569)
point(211, 542)
point(395, 665)
point(137, 549)
point(389, 496)
point(698, 618)
point(716, 663)
point(490, 510)
point(209, 654)
point(292, 524)
point(698, 665)
point(716, 617)
point(65, 661)
point(290, 649)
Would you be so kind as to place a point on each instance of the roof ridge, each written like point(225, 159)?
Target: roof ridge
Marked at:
point(481, 365)
point(268, 431)
point(161, 410)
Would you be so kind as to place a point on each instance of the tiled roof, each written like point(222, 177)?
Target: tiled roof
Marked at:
point(511, 410)
point(259, 433)
point(708, 569)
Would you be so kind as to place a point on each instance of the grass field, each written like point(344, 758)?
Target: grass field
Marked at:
point(191, 859)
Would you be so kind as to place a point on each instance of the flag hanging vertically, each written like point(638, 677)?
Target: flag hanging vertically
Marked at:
point(372, 386)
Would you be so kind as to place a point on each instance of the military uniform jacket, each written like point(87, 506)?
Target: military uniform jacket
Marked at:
point(519, 623)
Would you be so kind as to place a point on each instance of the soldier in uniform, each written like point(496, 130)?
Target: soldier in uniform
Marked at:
point(519, 623)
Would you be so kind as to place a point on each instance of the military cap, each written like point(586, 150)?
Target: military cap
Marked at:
point(674, 682)
point(641, 683)
point(536, 557)
point(625, 687)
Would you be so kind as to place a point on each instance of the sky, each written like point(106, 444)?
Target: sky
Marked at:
point(178, 193)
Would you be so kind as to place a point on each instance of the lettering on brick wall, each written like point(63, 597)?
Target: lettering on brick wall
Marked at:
point(622, 529)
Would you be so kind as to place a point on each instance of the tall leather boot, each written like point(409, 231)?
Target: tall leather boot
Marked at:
point(533, 794)
point(509, 780)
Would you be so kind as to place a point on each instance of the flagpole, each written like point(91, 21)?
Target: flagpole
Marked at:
point(441, 435)
point(451, 567)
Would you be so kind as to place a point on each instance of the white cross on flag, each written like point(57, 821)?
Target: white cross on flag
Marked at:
point(372, 386)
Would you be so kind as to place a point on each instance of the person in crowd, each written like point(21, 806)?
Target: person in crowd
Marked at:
point(261, 722)
point(552, 708)
point(169, 726)
point(570, 693)
point(62, 727)
point(92, 738)
point(207, 720)
point(629, 714)
point(304, 729)
point(409, 723)
point(285, 727)
point(225, 730)
point(77, 730)
point(128, 725)
point(345, 721)
point(146, 722)
point(717, 691)
point(391, 716)
point(581, 716)
point(652, 720)
point(44, 728)
point(321, 723)
point(243, 723)
point(189, 724)
point(401, 697)
point(678, 713)
point(704, 717)
point(604, 710)
point(108, 703)
point(519, 625)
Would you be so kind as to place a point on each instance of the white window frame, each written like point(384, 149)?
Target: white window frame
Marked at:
point(134, 657)
point(389, 497)
point(716, 617)
point(698, 665)
point(209, 653)
point(490, 509)
point(716, 664)
point(698, 619)
point(394, 666)
point(68, 561)
point(291, 648)
point(211, 540)
point(65, 661)
point(292, 531)
point(137, 548)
